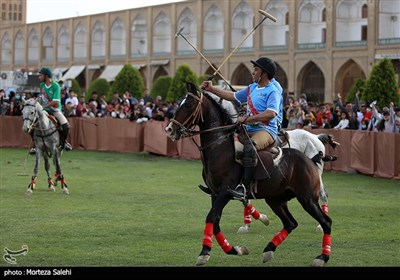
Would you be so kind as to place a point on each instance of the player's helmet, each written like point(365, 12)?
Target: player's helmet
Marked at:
point(266, 64)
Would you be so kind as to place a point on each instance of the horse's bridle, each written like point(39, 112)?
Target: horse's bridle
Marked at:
point(33, 121)
point(194, 118)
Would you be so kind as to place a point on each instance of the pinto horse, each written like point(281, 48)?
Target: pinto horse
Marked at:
point(293, 175)
point(47, 142)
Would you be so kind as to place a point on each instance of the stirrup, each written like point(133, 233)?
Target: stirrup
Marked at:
point(239, 192)
point(32, 151)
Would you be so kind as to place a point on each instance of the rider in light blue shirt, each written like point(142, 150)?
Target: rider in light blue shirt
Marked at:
point(264, 102)
point(262, 98)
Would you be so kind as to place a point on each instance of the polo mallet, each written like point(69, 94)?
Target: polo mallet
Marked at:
point(266, 15)
point(179, 33)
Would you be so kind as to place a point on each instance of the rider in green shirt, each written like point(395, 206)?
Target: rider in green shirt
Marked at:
point(50, 96)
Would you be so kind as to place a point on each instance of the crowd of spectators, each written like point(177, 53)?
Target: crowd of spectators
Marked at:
point(297, 113)
point(357, 116)
point(124, 106)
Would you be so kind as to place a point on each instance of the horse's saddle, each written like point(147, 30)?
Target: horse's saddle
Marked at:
point(269, 155)
point(265, 158)
point(283, 138)
point(53, 120)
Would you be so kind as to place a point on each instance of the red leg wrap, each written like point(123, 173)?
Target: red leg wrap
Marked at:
point(326, 244)
point(253, 211)
point(325, 208)
point(208, 232)
point(223, 243)
point(279, 237)
point(246, 216)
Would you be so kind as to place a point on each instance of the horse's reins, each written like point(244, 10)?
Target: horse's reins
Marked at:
point(197, 115)
point(35, 118)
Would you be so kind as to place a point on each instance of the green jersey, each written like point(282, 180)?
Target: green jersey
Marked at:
point(51, 93)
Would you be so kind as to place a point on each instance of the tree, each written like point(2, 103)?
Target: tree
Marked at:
point(129, 79)
point(160, 87)
point(381, 85)
point(177, 89)
point(359, 85)
point(101, 86)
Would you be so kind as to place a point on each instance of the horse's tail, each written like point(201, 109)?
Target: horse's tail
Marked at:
point(328, 139)
point(318, 157)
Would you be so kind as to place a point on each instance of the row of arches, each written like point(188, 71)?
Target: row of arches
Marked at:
point(135, 39)
point(310, 79)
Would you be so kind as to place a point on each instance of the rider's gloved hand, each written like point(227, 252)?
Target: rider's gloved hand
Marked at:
point(241, 119)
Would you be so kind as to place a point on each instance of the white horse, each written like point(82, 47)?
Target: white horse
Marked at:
point(312, 145)
point(47, 142)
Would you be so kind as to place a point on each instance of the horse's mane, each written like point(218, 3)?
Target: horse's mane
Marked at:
point(228, 110)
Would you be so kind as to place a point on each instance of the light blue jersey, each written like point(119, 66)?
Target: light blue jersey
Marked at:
point(266, 98)
point(280, 90)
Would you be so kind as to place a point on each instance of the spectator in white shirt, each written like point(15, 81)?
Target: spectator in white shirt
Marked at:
point(344, 121)
point(74, 101)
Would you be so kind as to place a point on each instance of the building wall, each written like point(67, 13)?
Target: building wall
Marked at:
point(16, 9)
point(334, 63)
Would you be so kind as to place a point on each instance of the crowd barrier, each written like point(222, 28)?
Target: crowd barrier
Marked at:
point(371, 153)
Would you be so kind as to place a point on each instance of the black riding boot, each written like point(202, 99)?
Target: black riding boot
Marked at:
point(249, 163)
point(65, 130)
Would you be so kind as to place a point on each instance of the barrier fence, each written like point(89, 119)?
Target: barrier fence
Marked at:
point(368, 152)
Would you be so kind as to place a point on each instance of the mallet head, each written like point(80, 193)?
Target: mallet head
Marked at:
point(179, 31)
point(264, 13)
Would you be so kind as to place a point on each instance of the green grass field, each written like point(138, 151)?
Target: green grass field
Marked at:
point(135, 210)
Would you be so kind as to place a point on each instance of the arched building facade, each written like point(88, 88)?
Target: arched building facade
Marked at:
point(321, 46)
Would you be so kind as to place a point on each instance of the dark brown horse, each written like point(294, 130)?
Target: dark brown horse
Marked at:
point(293, 176)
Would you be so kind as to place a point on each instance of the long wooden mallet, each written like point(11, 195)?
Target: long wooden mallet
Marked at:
point(266, 15)
point(179, 33)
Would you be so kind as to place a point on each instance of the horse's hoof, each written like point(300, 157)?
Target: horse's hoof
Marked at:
point(267, 256)
point(52, 188)
point(202, 260)
point(65, 191)
point(31, 186)
point(264, 219)
point(318, 263)
point(243, 229)
point(241, 250)
point(319, 229)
